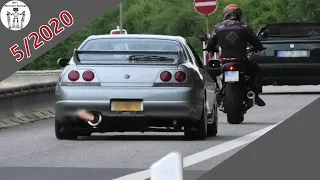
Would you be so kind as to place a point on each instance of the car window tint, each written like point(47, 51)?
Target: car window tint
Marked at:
point(293, 29)
point(198, 60)
point(187, 54)
point(131, 44)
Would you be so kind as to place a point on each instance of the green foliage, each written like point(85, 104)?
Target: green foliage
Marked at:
point(178, 17)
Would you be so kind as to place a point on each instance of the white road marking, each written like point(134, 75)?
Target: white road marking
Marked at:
point(208, 153)
point(200, 4)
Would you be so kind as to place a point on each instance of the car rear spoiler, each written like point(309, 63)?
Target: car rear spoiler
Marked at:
point(76, 53)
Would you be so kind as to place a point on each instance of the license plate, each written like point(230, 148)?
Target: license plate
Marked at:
point(127, 106)
point(293, 53)
point(231, 76)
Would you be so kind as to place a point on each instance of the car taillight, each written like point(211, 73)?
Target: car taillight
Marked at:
point(180, 76)
point(165, 76)
point(231, 68)
point(73, 75)
point(88, 75)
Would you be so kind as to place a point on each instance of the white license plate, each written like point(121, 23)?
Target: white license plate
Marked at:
point(293, 54)
point(231, 76)
point(127, 106)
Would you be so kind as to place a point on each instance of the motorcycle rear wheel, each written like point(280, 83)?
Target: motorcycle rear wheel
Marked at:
point(234, 98)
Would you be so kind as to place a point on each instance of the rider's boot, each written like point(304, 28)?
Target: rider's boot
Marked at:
point(257, 99)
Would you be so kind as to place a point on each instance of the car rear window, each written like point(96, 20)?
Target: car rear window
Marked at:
point(293, 29)
point(129, 44)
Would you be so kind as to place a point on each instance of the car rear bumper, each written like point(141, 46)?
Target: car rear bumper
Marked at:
point(166, 103)
point(290, 73)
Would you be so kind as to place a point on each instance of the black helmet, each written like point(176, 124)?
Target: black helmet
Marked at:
point(232, 12)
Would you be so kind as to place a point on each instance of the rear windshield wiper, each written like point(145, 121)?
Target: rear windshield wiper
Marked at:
point(149, 58)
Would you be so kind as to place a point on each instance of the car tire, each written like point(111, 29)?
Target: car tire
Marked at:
point(201, 126)
point(212, 128)
point(62, 132)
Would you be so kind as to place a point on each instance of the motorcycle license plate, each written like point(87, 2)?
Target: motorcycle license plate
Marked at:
point(231, 76)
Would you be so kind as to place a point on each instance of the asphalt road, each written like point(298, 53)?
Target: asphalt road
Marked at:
point(31, 151)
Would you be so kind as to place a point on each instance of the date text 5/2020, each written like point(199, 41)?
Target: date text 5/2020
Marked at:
point(46, 34)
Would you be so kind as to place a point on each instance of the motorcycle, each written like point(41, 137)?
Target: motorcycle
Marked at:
point(235, 96)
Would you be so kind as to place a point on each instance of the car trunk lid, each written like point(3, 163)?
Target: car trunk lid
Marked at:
point(126, 75)
point(291, 51)
point(143, 70)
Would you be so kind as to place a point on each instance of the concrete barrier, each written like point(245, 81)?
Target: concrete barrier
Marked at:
point(24, 78)
point(25, 108)
point(27, 96)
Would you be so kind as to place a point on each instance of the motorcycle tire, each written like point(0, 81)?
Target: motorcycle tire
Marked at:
point(234, 98)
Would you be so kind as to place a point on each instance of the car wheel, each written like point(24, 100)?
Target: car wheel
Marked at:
point(200, 132)
point(213, 126)
point(63, 132)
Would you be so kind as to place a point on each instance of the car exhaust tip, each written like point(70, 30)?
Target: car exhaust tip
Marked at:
point(93, 119)
point(251, 95)
point(95, 123)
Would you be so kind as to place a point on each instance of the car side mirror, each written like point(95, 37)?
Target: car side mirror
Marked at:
point(264, 34)
point(63, 62)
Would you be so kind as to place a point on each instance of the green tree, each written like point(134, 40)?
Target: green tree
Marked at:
point(178, 17)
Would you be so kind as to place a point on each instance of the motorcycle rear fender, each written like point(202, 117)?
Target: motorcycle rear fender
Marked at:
point(239, 66)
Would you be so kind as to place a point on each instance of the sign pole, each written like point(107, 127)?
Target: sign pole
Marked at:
point(207, 24)
point(206, 8)
point(121, 17)
point(207, 54)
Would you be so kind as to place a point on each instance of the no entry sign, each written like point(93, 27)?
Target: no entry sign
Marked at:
point(205, 7)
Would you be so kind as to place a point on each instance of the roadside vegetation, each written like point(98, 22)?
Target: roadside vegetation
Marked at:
point(178, 17)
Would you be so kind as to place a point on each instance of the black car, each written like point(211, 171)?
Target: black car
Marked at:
point(292, 55)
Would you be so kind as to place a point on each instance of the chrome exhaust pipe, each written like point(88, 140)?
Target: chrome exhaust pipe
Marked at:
point(95, 123)
point(251, 95)
point(90, 117)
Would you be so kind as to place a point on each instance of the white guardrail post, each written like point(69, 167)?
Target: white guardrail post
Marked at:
point(169, 167)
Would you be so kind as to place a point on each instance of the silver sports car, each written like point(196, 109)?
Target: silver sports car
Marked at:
point(136, 83)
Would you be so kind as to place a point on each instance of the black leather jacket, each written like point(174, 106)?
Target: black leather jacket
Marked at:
point(233, 38)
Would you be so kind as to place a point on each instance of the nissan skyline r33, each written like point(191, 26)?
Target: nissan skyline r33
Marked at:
point(136, 83)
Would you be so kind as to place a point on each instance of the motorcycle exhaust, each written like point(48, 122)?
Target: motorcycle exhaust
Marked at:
point(251, 95)
point(93, 119)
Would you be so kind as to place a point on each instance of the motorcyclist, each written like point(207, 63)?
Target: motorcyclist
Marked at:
point(233, 35)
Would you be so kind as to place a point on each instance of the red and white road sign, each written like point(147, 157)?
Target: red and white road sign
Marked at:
point(205, 7)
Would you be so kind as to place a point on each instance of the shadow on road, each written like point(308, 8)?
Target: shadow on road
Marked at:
point(151, 138)
point(291, 93)
point(250, 123)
